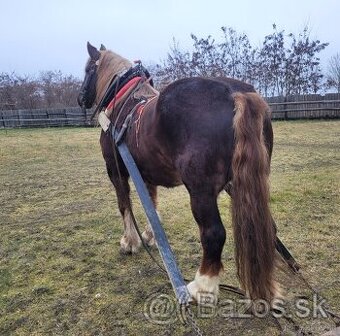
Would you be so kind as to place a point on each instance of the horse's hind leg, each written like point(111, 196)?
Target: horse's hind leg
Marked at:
point(213, 235)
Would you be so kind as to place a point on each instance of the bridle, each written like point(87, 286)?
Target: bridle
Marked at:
point(90, 76)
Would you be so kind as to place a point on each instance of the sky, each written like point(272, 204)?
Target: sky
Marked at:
point(42, 35)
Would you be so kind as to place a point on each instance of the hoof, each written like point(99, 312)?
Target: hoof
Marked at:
point(148, 238)
point(204, 289)
point(129, 246)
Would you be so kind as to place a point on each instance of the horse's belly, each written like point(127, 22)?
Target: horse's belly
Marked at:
point(161, 175)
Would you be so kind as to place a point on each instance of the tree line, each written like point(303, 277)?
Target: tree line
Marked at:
point(51, 89)
point(283, 64)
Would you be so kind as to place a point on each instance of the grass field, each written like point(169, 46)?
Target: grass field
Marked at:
point(61, 272)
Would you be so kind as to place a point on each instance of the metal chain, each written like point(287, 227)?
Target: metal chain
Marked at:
point(191, 320)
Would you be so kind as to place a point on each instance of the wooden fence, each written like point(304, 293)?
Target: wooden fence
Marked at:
point(305, 107)
point(283, 108)
point(73, 116)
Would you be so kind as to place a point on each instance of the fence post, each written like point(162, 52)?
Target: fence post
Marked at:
point(285, 108)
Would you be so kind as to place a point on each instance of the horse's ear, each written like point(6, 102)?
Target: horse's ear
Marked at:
point(93, 52)
point(102, 47)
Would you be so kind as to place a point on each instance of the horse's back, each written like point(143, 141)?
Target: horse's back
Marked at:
point(195, 107)
point(196, 126)
point(189, 136)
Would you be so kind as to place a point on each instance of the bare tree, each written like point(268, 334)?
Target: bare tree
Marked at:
point(205, 59)
point(27, 93)
point(177, 65)
point(58, 90)
point(303, 64)
point(237, 55)
point(51, 89)
point(7, 100)
point(271, 61)
point(234, 57)
point(283, 65)
point(333, 72)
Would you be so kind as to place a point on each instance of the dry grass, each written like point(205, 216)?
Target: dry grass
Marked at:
point(60, 269)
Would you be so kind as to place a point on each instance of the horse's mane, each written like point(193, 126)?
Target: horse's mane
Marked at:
point(111, 64)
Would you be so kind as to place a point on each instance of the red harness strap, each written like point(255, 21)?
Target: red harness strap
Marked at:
point(123, 90)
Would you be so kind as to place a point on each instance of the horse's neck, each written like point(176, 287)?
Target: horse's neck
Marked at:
point(111, 64)
point(118, 64)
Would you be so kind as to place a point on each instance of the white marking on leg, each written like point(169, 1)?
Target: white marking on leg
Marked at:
point(148, 235)
point(204, 288)
point(130, 241)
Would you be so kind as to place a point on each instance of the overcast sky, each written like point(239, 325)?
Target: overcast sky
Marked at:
point(40, 35)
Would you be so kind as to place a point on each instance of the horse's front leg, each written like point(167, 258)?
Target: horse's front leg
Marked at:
point(130, 241)
point(206, 283)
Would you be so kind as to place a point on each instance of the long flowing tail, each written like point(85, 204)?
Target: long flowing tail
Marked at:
point(254, 233)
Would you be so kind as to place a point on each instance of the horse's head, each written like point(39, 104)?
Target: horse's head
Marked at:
point(101, 69)
point(88, 93)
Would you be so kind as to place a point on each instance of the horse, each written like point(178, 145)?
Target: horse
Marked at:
point(210, 134)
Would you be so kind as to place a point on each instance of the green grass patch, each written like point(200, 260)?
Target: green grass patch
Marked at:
point(61, 272)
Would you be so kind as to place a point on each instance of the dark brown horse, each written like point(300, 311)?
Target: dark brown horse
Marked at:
point(203, 133)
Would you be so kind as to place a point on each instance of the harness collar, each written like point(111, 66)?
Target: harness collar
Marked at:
point(118, 82)
point(138, 108)
point(122, 87)
point(122, 91)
